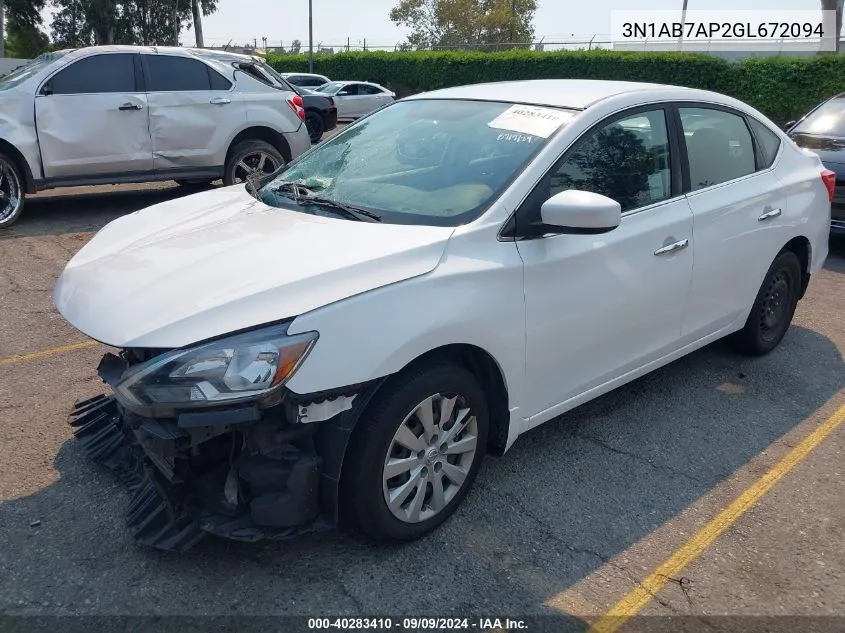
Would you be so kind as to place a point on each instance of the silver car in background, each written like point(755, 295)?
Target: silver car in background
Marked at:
point(119, 114)
point(356, 98)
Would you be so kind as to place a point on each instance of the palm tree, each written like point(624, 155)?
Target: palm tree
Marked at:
point(196, 9)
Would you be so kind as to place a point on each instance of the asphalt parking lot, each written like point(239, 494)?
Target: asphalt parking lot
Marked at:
point(613, 502)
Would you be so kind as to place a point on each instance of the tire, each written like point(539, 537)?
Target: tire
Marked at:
point(773, 308)
point(363, 486)
point(248, 154)
point(316, 126)
point(12, 192)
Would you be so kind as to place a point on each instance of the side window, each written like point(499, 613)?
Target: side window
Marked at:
point(218, 81)
point(626, 160)
point(172, 74)
point(312, 81)
point(719, 146)
point(366, 89)
point(350, 90)
point(96, 74)
point(768, 142)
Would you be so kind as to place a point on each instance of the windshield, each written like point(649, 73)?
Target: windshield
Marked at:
point(827, 120)
point(22, 73)
point(431, 162)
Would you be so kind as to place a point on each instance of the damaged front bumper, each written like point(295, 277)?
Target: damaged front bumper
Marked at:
point(241, 473)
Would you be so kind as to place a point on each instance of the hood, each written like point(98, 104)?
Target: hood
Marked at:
point(220, 261)
point(830, 149)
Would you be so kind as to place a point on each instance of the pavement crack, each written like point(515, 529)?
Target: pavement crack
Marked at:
point(355, 601)
point(683, 582)
point(640, 458)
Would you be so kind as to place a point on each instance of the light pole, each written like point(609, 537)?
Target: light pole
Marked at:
point(683, 20)
point(310, 38)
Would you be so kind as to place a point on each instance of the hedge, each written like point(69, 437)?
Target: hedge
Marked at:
point(781, 87)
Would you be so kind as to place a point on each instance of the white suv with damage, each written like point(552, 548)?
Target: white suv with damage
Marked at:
point(119, 114)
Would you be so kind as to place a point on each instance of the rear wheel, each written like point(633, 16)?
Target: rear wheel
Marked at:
point(314, 124)
point(414, 458)
point(12, 192)
point(251, 160)
point(773, 308)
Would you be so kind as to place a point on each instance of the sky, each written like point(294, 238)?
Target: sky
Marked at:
point(336, 20)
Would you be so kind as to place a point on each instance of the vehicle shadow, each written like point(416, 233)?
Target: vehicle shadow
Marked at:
point(569, 496)
point(86, 209)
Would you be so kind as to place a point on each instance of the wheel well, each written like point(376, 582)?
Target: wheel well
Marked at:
point(484, 367)
point(801, 247)
point(261, 133)
point(20, 162)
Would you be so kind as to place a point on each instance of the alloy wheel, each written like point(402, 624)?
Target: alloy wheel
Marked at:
point(254, 166)
point(429, 458)
point(10, 192)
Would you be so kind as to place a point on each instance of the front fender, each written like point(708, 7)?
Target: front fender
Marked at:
point(476, 301)
point(17, 128)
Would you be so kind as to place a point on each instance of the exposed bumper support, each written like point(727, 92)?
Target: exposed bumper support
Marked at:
point(267, 488)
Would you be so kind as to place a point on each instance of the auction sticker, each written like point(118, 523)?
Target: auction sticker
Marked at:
point(534, 120)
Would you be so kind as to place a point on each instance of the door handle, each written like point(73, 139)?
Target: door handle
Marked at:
point(768, 215)
point(671, 248)
point(130, 106)
point(220, 101)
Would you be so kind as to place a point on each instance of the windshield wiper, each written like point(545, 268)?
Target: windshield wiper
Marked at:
point(356, 213)
point(295, 189)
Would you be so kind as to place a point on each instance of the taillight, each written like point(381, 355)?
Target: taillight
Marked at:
point(829, 180)
point(297, 106)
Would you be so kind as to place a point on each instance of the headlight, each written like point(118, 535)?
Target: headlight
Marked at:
point(241, 367)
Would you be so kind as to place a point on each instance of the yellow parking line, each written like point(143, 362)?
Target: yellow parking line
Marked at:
point(46, 352)
point(631, 604)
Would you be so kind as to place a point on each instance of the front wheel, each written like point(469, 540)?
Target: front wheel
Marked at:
point(414, 457)
point(773, 308)
point(12, 192)
point(251, 160)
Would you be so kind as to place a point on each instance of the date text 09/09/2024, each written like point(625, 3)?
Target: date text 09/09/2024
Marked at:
point(416, 624)
point(730, 30)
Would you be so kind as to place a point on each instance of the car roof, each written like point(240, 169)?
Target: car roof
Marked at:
point(304, 75)
point(577, 94)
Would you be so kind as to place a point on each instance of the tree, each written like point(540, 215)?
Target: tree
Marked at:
point(295, 47)
point(24, 41)
point(834, 5)
point(473, 24)
point(24, 37)
point(147, 22)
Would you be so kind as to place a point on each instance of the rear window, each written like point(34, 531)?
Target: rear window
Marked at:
point(827, 120)
point(767, 141)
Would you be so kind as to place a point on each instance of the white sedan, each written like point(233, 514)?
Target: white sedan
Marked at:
point(347, 338)
point(355, 99)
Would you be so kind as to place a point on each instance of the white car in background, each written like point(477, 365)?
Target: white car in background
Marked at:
point(355, 99)
point(119, 114)
point(350, 338)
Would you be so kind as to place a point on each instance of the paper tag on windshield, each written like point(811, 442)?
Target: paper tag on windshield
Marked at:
point(534, 120)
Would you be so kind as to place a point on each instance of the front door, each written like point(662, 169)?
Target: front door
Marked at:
point(599, 306)
point(92, 120)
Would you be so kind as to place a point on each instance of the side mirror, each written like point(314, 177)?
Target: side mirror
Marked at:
point(581, 212)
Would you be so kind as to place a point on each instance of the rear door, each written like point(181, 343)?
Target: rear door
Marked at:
point(193, 112)
point(739, 214)
point(376, 97)
point(92, 120)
